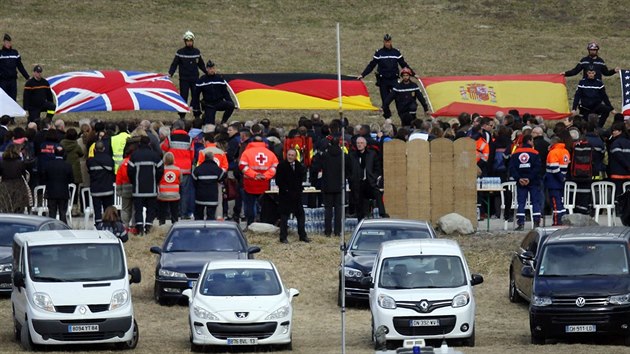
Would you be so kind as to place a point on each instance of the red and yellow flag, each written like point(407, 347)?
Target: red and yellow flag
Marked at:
point(540, 94)
point(298, 91)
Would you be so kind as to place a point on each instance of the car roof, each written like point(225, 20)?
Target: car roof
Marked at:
point(187, 224)
point(589, 233)
point(239, 263)
point(389, 222)
point(399, 248)
point(38, 238)
point(33, 220)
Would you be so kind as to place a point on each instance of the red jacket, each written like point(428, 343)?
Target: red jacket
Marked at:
point(180, 144)
point(219, 156)
point(255, 160)
point(168, 189)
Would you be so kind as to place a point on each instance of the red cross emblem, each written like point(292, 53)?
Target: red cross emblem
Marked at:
point(169, 177)
point(261, 158)
point(523, 158)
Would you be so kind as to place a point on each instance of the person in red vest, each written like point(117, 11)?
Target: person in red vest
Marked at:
point(168, 190)
point(221, 159)
point(180, 144)
point(258, 165)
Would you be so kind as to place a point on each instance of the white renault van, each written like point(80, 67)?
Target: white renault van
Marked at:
point(72, 286)
point(421, 288)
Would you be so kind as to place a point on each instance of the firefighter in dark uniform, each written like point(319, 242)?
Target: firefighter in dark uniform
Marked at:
point(189, 61)
point(591, 97)
point(145, 169)
point(216, 96)
point(10, 62)
point(406, 93)
point(386, 60)
point(592, 59)
point(525, 168)
point(38, 96)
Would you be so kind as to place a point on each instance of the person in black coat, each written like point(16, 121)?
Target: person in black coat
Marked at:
point(366, 171)
point(189, 61)
point(145, 169)
point(289, 177)
point(102, 178)
point(206, 178)
point(591, 97)
point(38, 96)
point(58, 176)
point(216, 96)
point(10, 64)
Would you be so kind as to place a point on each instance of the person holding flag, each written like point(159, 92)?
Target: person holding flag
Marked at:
point(591, 97)
point(406, 93)
point(592, 59)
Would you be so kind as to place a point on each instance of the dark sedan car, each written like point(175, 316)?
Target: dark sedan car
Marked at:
point(363, 246)
point(10, 224)
point(188, 246)
point(520, 287)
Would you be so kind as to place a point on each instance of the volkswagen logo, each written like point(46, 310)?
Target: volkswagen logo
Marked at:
point(241, 314)
point(424, 306)
point(580, 302)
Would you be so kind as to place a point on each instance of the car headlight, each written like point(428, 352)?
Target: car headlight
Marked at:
point(279, 313)
point(203, 313)
point(44, 302)
point(6, 268)
point(170, 274)
point(461, 300)
point(119, 299)
point(352, 273)
point(541, 301)
point(386, 302)
point(619, 299)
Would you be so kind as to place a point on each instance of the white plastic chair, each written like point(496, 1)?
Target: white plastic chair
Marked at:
point(625, 186)
point(570, 191)
point(72, 190)
point(604, 198)
point(117, 199)
point(511, 187)
point(40, 204)
point(86, 199)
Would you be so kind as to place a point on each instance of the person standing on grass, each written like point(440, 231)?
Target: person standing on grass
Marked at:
point(366, 171)
point(10, 63)
point(206, 178)
point(168, 190)
point(258, 166)
point(189, 61)
point(145, 169)
point(558, 160)
point(38, 96)
point(289, 178)
point(180, 144)
point(58, 176)
point(102, 179)
point(386, 61)
point(525, 166)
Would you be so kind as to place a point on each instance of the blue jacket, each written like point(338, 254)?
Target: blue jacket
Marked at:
point(214, 90)
point(619, 158)
point(10, 62)
point(590, 93)
point(598, 64)
point(599, 148)
point(386, 61)
point(525, 163)
point(189, 61)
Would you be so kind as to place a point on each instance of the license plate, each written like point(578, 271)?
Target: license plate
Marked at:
point(580, 329)
point(242, 341)
point(192, 283)
point(82, 328)
point(5, 285)
point(424, 323)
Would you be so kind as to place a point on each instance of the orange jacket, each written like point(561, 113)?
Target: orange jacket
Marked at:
point(255, 160)
point(168, 189)
point(483, 149)
point(558, 160)
point(219, 156)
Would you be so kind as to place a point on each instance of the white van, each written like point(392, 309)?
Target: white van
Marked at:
point(421, 288)
point(72, 286)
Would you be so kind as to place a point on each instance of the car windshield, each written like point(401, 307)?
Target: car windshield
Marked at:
point(76, 262)
point(370, 239)
point(9, 229)
point(584, 258)
point(240, 282)
point(204, 240)
point(412, 272)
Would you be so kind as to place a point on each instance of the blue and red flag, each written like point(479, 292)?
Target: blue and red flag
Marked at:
point(625, 91)
point(114, 90)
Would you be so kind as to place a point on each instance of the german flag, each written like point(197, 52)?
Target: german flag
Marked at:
point(540, 94)
point(298, 91)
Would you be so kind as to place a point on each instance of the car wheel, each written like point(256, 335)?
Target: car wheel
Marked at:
point(470, 341)
point(159, 298)
point(25, 338)
point(626, 341)
point(513, 294)
point(133, 342)
point(16, 329)
point(538, 340)
point(195, 348)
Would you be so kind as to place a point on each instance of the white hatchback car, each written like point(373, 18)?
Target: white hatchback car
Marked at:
point(240, 302)
point(422, 289)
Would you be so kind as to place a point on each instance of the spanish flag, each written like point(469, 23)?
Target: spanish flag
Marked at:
point(540, 94)
point(298, 91)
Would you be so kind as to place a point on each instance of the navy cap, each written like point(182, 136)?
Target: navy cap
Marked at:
point(210, 64)
point(38, 68)
point(7, 37)
point(387, 37)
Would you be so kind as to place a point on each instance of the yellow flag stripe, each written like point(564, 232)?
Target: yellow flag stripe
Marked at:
point(275, 99)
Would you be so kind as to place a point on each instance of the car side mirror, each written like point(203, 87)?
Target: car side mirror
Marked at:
point(188, 293)
point(156, 250)
point(367, 281)
point(476, 279)
point(136, 275)
point(526, 256)
point(293, 293)
point(18, 280)
point(253, 249)
point(527, 272)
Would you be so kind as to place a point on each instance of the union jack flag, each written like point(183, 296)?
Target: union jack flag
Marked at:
point(87, 91)
point(625, 91)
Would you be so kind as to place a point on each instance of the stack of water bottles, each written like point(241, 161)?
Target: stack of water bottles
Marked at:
point(314, 221)
point(489, 183)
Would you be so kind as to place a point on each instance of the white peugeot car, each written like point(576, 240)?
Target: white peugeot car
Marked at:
point(240, 302)
point(422, 289)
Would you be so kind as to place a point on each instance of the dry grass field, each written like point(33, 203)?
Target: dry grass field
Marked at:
point(437, 37)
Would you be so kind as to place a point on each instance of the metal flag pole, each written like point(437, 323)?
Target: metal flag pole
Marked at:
point(343, 202)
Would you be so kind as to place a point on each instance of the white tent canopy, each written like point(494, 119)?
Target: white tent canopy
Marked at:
point(9, 107)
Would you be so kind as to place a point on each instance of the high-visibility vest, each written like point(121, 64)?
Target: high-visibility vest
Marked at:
point(168, 189)
point(118, 142)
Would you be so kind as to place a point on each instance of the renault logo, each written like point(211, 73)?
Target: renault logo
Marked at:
point(241, 314)
point(82, 310)
point(580, 302)
point(424, 306)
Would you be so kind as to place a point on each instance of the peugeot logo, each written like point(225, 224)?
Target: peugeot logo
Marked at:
point(580, 302)
point(424, 306)
point(82, 310)
point(242, 314)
